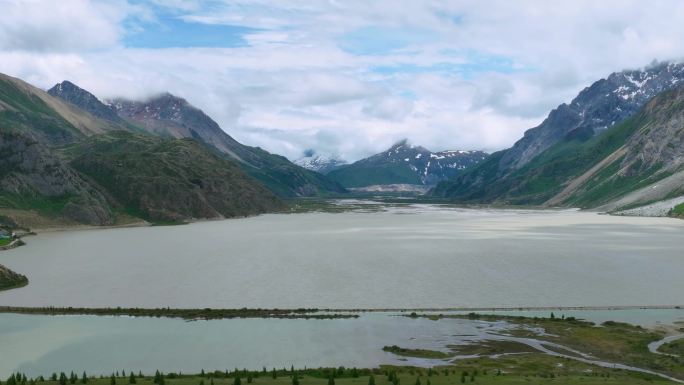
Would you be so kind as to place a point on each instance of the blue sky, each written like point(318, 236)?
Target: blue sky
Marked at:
point(349, 77)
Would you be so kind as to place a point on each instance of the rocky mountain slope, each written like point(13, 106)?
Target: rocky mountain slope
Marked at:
point(638, 161)
point(56, 160)
point(320, 163)
point(404, 163)
point(171, 116)
point(549, 155)
point(169, 180)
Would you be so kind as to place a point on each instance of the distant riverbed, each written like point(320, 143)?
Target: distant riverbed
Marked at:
point(415, 256)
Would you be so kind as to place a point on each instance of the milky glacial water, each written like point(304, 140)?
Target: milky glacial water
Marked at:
point(417, 256)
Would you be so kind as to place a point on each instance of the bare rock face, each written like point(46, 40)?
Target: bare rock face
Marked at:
point(603, 104)
point(84, 100)
point(32, 174)
point(660, 143)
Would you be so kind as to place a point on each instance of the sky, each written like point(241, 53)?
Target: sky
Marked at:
point(343, 77)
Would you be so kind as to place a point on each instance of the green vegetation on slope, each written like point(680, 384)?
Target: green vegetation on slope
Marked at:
point(285, 178)
point(550, 172)
point(10, 279)
point(547, 174)
point(23, 110)
point(169, 180)
point(678, 211)
point(366, 174)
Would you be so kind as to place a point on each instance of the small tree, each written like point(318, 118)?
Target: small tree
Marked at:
point(274, 374)
point(112, 380)
point(371, 380)
point(331, 380)
point(131, 379)
point(417, 380)
point(84, 378)
point(237, 381)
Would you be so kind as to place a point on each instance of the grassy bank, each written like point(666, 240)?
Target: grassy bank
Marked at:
point(611, 341)
point(527, 369)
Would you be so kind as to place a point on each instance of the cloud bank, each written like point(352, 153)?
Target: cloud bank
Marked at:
point(346, 77)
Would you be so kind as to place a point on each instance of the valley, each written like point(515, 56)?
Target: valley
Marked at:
point(414, 232)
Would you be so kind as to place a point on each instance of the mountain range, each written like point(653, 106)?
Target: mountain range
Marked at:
point(169, 116)
point(405, 164)
point(66, 155)
point(618, 144)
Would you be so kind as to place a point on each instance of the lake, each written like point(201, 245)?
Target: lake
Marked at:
point(415, 256)
point(41, 345)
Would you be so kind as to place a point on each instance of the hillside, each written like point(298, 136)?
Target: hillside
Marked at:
point(169, 116)
point(404, 163)
point(573, 139)
point(635, 162)
point(169, 180)
point(58, 166)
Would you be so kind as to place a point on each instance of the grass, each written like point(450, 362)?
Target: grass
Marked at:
point(610, 341)
point(678, 211)
point(48, 206)
point(512, 370)
point(418, 353)
point(492, 347)
point(5, 241)
point(674, 347)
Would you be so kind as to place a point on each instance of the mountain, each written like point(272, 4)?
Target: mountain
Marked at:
point(84, 100)
point(513, 175)
point(636, 162)
point(404, 163)
point(169, 180)
point(61, 164)
point(320, 163)
point(170, 116)
point(31, 174)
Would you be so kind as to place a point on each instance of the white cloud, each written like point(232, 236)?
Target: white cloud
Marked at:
point(60, 26)
point(480, 74)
